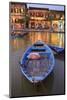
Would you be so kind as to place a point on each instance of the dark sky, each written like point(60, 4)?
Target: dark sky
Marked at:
point(51, 7)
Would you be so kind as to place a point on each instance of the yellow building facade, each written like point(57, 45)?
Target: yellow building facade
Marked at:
point(51, 22)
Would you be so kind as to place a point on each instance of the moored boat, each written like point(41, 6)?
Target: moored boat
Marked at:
point(37, 62)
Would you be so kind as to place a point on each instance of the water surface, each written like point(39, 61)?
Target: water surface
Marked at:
point(19, 85)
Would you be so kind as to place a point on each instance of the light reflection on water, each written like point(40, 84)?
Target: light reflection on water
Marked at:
point(19, 85)
point(30, 38)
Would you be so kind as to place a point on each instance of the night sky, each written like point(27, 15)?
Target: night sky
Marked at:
point(51, 7)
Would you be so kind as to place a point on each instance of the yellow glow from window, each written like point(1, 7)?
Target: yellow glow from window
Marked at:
point(37, 18)
point(22, 10)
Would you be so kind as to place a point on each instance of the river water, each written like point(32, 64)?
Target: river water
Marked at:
point(19, 85)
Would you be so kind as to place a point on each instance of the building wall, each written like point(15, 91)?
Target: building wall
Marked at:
point(46, 19)
point(17, 15)
point(37, 18)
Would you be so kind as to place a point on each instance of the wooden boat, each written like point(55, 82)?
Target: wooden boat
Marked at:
point(37, 62)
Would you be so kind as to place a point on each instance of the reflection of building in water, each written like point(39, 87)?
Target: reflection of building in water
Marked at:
point(32, 37)
point(57, 39)
point(35, 36)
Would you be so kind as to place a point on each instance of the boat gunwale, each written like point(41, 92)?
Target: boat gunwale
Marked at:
point(46, 75)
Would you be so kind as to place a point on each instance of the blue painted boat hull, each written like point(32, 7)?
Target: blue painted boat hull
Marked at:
point(38, 69)
point(57, 49)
